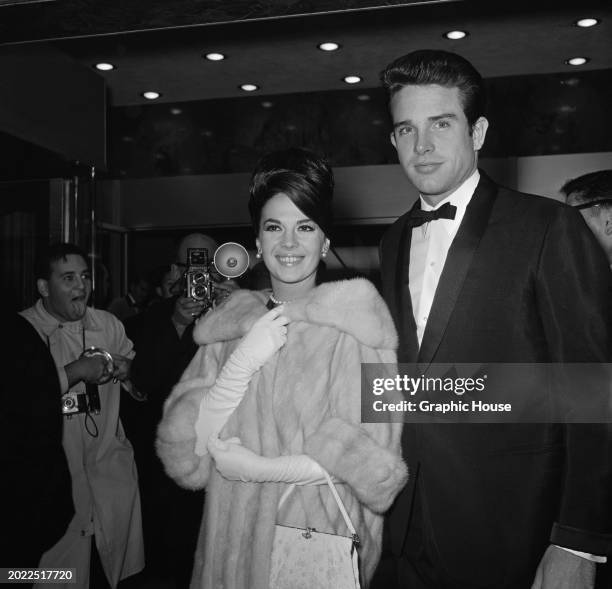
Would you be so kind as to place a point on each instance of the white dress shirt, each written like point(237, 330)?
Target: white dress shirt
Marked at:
point(428, 250)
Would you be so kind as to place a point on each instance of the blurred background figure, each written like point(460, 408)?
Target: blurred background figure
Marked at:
point(137, 298)
point(162, 282)
point(591, 194)
point(163, 339)
point(36, 505)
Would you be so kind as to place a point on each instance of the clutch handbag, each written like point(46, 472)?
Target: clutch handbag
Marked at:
point(303, 558)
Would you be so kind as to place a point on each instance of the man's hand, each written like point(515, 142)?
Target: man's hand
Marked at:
point(91, 369)
point(185, 311)
point(224, 289)
point(560, 569)
point(122, 367)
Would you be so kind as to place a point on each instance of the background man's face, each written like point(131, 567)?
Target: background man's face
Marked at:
point(66, 292)
point(599, 220)
point(141, 291)
point(432, 137)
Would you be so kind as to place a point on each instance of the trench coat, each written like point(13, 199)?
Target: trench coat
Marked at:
point(104, 478)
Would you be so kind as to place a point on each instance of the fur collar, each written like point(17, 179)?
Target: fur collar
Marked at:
point(351, 306)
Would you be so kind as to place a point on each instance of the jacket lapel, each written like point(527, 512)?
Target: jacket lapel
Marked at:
point(395, 259)
point(457, 264)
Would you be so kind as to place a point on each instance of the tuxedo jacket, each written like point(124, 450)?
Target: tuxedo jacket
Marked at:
point(524, 282)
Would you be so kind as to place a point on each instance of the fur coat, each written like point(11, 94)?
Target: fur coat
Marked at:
point(305, 400)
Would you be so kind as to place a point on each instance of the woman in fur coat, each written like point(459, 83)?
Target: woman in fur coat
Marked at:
point(273, 395)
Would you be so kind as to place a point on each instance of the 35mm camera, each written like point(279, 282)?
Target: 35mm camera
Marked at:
point(74, 402)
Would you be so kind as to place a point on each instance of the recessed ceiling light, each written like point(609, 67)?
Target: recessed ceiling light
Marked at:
point(577, 60)
point(104, 67)
point(176, 111)
point(352, 79)
point(587, 22)
point(249, 87)
point(215, 56)
point(151, 95)
point(455, 35)
point(328, 46)
point(267, 104)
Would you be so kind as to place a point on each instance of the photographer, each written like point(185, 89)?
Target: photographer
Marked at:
point(163, 339)
point(91, 354)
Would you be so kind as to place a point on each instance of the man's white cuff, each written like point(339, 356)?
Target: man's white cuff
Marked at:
point(586, 555)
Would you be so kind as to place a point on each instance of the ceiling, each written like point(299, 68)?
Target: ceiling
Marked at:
point(279, 52)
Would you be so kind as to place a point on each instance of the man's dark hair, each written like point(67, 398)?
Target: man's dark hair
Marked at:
point(588, 187)
point(53, 253)
point(303, 176)
point(432, 66)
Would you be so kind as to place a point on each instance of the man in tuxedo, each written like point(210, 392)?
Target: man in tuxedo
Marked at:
point(476, 273)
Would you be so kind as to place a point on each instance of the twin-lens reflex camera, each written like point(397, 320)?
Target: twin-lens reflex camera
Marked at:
point(230, 261)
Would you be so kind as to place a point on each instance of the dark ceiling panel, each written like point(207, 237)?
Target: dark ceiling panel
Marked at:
point(281, 55)
point(74, 18)
point(50, 100)
point(545, 114)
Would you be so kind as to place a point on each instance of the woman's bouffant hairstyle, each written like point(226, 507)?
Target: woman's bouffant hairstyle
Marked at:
point(303, 176)
point(432, 66)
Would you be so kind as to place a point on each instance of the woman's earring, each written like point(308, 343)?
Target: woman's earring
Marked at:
point(323, 252)
point(258, 254)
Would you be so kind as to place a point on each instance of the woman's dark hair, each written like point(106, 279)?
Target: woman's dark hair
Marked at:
point(432, 66)
point(303, 176)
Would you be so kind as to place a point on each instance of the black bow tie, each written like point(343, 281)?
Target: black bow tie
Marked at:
point(418, 216)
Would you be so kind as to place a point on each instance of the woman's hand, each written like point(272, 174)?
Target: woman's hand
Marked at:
point(234, 461)
point(237, 463)
point(267, 335)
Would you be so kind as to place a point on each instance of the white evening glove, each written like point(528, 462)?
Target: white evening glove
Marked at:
point(237, 463)
point(267, 335)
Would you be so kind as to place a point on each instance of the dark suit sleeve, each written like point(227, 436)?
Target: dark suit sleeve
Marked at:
point(36, 505)
point(161, 355)
point(574, 292)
